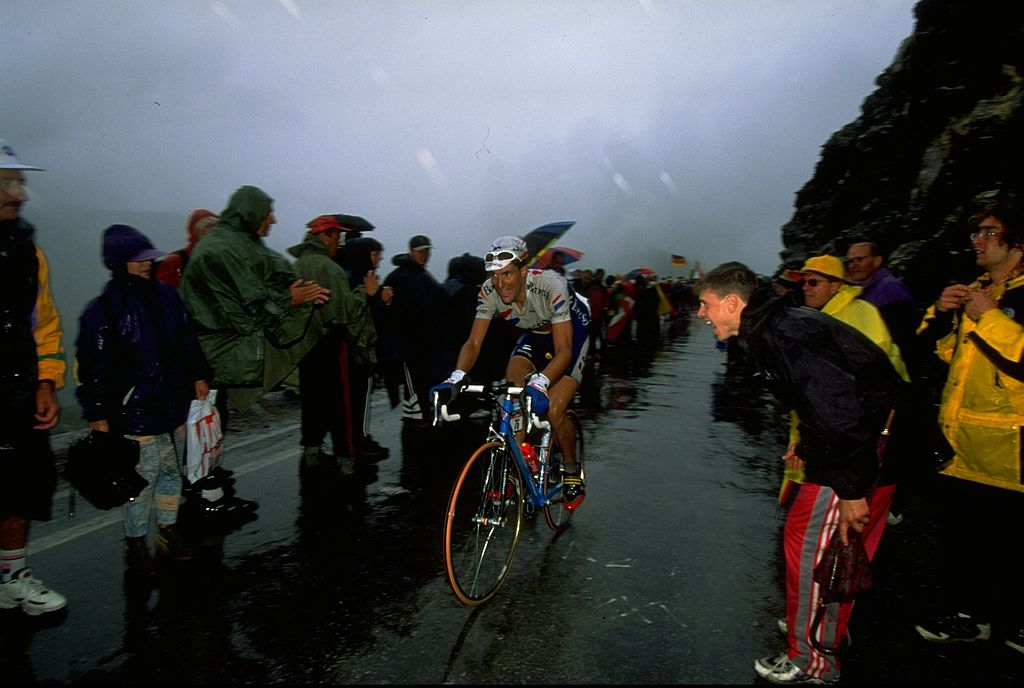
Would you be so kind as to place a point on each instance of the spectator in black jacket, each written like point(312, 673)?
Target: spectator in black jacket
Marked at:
point(465, 275)
point(419, 325)
point(843, 387)
point(30, 375)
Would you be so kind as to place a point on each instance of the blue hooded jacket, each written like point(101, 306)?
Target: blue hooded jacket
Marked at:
point(138, 356)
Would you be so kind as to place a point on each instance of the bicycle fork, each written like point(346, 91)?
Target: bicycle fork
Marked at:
point(545, 475)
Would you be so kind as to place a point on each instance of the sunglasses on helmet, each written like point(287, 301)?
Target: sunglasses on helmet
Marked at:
point(500, 255)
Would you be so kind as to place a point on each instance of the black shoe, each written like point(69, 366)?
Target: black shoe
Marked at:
point(213, 481)
point(228, 506)
point(370, 450)
point(953, 628)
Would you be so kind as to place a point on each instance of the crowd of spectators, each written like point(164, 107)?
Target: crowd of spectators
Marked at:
point(228, 313)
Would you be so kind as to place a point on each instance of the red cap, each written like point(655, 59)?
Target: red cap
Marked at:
point(323, 223)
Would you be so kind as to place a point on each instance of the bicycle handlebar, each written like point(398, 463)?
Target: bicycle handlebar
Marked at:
point(441, 410)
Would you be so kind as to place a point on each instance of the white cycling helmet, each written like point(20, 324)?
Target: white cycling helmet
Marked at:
point(503, 251)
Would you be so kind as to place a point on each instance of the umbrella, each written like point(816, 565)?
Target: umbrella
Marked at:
point(353, 223)
point(571, 256)
point(646, 272)
point(546, 235)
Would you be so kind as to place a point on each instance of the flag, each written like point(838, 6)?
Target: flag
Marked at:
point(699, 271)
point(622, 302)
point(665, 306)
point(678, 261)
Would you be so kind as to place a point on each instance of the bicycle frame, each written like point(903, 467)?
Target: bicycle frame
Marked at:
point(495, 489)
point(506, 417)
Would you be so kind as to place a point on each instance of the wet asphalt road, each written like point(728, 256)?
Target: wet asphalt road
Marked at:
point(670, 573)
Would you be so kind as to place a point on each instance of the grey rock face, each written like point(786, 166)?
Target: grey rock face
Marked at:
point(942, 134)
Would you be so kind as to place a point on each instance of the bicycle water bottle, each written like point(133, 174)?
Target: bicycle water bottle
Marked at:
point(531, 457)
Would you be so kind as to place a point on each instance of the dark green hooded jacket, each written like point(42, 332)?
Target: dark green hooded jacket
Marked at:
point(347, 308)
point(236, 289)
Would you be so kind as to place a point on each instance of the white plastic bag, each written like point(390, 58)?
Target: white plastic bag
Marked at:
point(205, 442)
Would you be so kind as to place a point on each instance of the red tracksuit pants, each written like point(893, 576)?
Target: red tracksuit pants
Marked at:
point(811, 521)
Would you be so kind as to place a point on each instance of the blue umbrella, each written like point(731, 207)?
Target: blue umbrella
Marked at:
point(538, 240)
point(571, 255)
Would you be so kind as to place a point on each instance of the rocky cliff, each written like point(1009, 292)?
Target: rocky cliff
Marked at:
point(940, 136)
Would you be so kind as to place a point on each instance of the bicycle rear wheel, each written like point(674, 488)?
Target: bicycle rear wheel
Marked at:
point(555, 513)
point(483, 522)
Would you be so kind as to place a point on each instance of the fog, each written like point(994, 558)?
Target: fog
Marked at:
point(660, 127)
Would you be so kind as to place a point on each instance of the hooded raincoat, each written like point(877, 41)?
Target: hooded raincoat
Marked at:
point(237, 290)
point(138, 358)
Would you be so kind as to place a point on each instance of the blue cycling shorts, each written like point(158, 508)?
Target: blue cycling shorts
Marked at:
point(539, 346)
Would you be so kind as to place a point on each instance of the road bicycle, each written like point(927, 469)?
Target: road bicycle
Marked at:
point(500, 484)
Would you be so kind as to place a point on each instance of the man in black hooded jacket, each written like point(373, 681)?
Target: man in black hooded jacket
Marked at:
point(419, 327)
point(843, 387)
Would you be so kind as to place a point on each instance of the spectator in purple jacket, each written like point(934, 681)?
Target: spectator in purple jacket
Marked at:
point(139, 367)
point(865, 266)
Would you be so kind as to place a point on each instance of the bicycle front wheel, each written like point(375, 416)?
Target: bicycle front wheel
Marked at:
point(555, 513)
point(483, 523)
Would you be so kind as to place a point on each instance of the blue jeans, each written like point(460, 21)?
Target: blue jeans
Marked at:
point(160, 458)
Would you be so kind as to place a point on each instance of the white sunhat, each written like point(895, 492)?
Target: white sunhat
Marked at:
point(503, 251)
point(9, 160)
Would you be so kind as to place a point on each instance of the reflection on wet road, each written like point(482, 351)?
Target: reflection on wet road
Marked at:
point(670, 573)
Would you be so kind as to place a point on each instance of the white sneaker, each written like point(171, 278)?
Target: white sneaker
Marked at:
point(30, 594)
point(766, 665)
point(780, 669)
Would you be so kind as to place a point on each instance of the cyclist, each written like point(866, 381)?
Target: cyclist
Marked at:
point(548, 358)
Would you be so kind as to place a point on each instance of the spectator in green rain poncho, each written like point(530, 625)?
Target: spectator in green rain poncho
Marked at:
point(254, 318)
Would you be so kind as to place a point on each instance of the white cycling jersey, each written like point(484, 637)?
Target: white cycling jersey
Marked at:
point(548, 300)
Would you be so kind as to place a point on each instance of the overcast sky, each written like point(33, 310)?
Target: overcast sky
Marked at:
point(659, 126)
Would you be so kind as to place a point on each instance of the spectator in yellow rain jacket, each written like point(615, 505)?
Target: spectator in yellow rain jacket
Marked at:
point(981, 491)
point(32, 371)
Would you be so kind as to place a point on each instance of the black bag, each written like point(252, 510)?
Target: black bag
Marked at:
point(101, 466)
point(843, 572)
